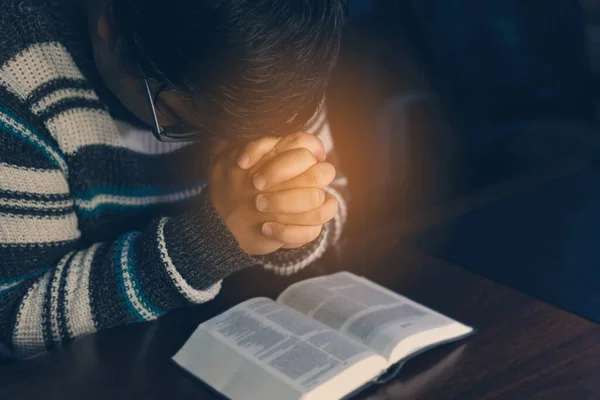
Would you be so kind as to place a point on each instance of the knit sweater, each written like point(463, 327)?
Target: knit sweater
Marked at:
point(100, 223)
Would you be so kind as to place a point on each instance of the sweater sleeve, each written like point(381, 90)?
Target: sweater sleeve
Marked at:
point(53, 290)
point(287, 262)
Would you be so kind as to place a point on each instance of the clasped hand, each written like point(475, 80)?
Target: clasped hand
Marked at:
point(270, 194)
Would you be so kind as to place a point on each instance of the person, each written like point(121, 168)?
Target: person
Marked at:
point(149, 149)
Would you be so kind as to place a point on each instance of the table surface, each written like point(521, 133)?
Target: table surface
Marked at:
point(524, 348)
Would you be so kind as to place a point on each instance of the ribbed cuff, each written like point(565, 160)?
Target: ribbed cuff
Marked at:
point(201, 246)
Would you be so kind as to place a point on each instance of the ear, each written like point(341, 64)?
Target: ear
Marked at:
point(106, 26)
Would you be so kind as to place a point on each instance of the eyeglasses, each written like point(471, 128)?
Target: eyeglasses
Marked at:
point(168, 133)
point(178, 133)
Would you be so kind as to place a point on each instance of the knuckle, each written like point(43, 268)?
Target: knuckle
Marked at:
point(297, 138)
point(322, 174)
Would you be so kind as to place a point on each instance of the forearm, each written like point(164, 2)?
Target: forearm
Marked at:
point(174, 262)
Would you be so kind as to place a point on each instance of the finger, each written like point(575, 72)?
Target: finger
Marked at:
point(256, 150)
point(293, 201)
point(318, 176)
point(291, 234)
point(319, 216)
point(302, 140)
point(283, 168)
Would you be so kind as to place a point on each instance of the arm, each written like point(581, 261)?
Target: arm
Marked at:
point(52, 290)
point(286, 262)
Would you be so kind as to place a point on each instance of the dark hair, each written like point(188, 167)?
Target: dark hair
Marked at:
point(252, 67)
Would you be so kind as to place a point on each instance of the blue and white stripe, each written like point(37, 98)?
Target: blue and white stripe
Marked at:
point(57, 276)
point(6, 286)
point(51, 61)
point(135, 301)
point(78, 306)
point(19, 229)
point(48, 205)
point(192, 295)
point(76, 127)
point(101, 198)
point(31, 180)
point(60, 95)
point(28, 335)
point(11, 125)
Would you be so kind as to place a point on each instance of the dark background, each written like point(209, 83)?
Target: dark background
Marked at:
point(436, 99)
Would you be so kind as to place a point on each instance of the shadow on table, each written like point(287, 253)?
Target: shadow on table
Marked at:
point(414, 382)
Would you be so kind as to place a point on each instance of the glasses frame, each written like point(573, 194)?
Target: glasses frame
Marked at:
point(157, 130)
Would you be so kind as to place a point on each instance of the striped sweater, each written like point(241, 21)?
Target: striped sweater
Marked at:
point(100, 224)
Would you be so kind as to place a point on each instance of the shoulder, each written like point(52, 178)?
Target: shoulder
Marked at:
point(34, 56)
point(29, 43)
point(23, 23)
point(30, 56)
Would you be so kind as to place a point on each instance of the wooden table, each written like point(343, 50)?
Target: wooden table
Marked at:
point(525, 349)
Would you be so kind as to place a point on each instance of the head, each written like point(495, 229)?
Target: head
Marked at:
point(233, 69)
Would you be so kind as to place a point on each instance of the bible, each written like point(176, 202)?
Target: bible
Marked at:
point(323, 338)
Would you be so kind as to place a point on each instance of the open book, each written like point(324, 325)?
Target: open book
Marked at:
point(324, 338)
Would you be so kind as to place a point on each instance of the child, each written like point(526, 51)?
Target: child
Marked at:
point(102, 223)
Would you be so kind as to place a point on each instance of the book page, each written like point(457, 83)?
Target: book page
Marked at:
point(277, 344)
point(365, 311)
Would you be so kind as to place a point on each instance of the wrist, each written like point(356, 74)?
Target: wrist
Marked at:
point(202, 246)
